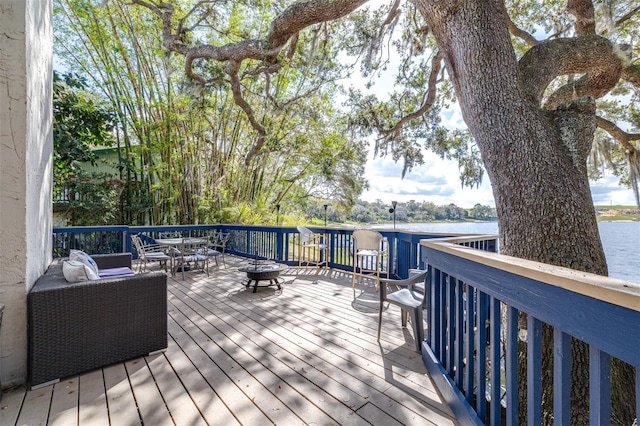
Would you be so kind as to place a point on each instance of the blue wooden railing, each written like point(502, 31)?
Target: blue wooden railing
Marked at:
point(262, 242)
point(474, 298)
point(473, 304)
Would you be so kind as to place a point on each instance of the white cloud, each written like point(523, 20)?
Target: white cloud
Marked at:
point(606, 191)
point(438, 181)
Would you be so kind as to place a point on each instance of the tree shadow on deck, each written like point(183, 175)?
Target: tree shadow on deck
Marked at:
point(413, 380)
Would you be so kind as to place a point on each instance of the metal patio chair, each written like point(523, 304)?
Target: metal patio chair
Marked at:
point(410, 298)
point(150, 253)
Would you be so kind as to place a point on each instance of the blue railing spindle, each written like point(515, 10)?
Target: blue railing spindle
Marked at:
point(442, 316)
point(458, 348)
point(481, 354)
point(511, 366)
point(534, 371)
point(495, 327)
point(561, 377)
point(451, 324)
point(599, 387)
point(469, 344)
point(436, 331)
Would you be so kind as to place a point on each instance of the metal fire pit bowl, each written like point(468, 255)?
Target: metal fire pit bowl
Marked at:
point(263, 272)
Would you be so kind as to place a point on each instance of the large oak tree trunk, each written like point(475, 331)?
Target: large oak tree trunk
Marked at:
point(535, 159)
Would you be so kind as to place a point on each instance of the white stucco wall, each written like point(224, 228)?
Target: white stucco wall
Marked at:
point(25, 169)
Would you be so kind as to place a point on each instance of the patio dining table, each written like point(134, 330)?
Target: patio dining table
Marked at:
point(174, 242)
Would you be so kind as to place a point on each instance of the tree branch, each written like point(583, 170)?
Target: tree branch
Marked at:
point(520, 33)
point(430, 97)
point(193, 9)
point(284, 27)
point(374, 44)
point(627, 16)
point(595, 84)
point(232, 69)
point(303, 14)
point(593, 55)
point(632, 74)
point(585, 16)
point(618, 134)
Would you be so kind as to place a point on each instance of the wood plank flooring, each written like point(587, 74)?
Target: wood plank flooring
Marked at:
point(306, 354)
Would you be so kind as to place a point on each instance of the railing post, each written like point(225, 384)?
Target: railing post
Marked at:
point(127, 241)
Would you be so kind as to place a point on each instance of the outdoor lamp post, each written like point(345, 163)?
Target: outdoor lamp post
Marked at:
point(325, 214)
point(277, 214)
point(393, 210)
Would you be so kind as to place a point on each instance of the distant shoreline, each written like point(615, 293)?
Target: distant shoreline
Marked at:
point(617, 214)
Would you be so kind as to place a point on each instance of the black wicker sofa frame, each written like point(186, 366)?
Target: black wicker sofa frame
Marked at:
point(77, 327)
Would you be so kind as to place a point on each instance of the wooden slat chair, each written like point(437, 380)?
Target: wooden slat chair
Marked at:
point(312, 251)
point(369, 255)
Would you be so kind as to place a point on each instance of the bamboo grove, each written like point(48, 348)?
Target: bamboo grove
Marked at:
point(185, 149)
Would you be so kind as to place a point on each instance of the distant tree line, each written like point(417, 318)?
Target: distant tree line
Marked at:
point(411, 211)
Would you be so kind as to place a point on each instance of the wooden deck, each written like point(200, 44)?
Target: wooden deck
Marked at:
point(307, 354)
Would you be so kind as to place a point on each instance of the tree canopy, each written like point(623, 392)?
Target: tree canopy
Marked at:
point(187, 153)
point(600, 63)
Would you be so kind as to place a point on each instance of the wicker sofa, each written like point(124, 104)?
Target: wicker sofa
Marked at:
point(74, 328)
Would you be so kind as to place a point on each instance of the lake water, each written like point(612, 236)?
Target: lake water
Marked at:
point(620, 241)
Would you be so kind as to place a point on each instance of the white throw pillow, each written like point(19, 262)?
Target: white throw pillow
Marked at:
point(83, 257)
point(75, 271)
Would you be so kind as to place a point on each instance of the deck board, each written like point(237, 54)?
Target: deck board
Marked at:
point(120, 399)
point(237, 390)
point(183, 410)
point(151, 404)
point(93, 408)
point(10, 406)
point(306, 354)
point(35, 407)
point(201, 393)
point(64, 403)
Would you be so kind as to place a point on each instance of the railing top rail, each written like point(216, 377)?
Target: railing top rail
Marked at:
point(81, 229)
point(612, 290)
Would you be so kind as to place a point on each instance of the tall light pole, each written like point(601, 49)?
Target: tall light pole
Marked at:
point(393, 210)
point(325, 214)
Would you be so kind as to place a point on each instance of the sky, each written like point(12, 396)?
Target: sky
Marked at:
point(438, 180)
